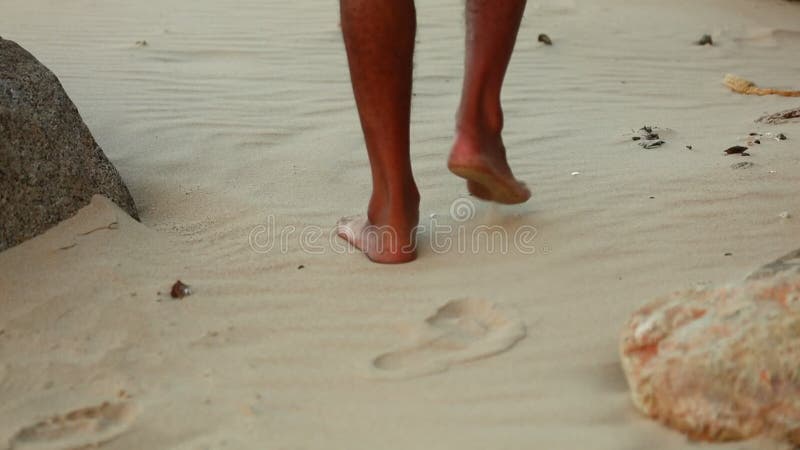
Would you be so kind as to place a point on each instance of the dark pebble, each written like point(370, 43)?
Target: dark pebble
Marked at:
point(545, 39)
point(706, 40)
point(180, 290)
point(737, 149)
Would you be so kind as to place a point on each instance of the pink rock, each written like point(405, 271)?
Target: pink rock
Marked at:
point(721, 364)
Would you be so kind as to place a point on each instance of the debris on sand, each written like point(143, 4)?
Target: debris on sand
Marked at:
point(737, 150)
point(754, 139)
point(652, 144)
point(545, 39)
point(740, 85)
point(649, 132)
point(180, 290)
point(648, 137)
point(142, 43)
point(705, 40)
point(780, 117)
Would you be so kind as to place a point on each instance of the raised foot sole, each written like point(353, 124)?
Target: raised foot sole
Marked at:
point(492, 187)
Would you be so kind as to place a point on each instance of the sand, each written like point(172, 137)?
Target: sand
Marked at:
point(238, 114)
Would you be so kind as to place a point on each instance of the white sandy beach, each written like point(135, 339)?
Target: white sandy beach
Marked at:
point(238, 110)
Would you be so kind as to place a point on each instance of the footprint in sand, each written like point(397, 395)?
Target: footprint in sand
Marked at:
point(460, 331)
point(79, 429)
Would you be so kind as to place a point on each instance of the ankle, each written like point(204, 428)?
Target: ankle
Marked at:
point(481, 118)
point(492, 117)
point(475, 142)
point(411, 196)
point(395, 205)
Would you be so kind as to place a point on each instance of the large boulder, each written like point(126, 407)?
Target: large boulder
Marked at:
point(721, 363)
point(50, 165)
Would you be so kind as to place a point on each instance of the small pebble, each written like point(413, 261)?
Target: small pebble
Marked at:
point(728, 254)
point(545, 39)
point(180, 290)
point(689, 147)
point(705, 40)
point(301, 267)
point(575, 174)
point(736, 149)
point(781, 137)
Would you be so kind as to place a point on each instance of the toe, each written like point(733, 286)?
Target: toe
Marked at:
point(520, 194)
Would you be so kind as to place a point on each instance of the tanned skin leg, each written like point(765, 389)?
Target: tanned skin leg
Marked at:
point(478, 154)
point(379, 39)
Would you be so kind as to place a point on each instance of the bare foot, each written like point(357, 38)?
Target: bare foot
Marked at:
point(388, 238)
point(482, 162)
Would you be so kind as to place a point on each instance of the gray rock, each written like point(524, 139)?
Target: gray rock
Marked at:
point(50, 165)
